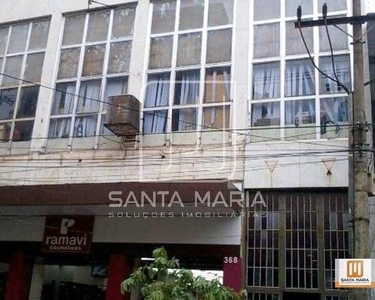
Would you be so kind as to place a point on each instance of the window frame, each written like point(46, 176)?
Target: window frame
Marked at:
point(20, 85)
point(202, 68)
point(283, 58)
point(104, 77)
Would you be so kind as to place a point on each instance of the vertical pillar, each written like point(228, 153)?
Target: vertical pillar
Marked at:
point(119, 269)
point(232, 273)
point(37, 282)
point(19, 277)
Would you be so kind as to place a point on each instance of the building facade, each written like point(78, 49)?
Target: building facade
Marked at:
point(231, 106)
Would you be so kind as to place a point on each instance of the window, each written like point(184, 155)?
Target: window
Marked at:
point(299, 112)
point(266, 40)
point(94, 65)
point(292, 5)
point(266, 9)
point(265, 114)
point(294, 44)
point(342, 67)
point(22, 48)
point(266, 81)
point(333, 5)
point(288, 92)
point(339, 39)
point(174, 101)
point(299, 78)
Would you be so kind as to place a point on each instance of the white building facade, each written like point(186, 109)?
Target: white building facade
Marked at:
point(230, 105)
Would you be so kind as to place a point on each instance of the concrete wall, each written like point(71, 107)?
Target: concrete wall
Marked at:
point(181, 230)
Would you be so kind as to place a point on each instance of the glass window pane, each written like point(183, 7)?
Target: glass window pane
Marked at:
point(13, 68)
point(294, 43)
point(155, 121)
point(187, 87)
point(73, 30)
point(339, 39)
point(299, 78)
point(163, 17)
point(333, 5)
point(266, 81)
point(5, 131)
point(123, 22)
point(18, 38)
point(216, 117)
point(157, 90)
point(59, 128)
point(69, 60)
point(8, 99)
point(292, 5)
point(119, 57)
point(220, 12)
point(300, 112)
point(34, 65)
point(161, 52)
point(64, 98)
point(191, 14)
point(85, 126)
point(89, 96)
point(334, 111)
point(266, 10)
point(265, 114)
point(39, 35)
point(266, 40)
point(3, 39)
point(23, 131)
point(189, 49)
point(28, 102)
point(184, 119)
point(115, 86)
point(93, 61)
point(98, 26)
point(217, 85)
point(219, 46)
point(342, 66)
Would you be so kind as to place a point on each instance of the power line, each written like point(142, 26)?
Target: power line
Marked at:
point(325, 10)
point(299, 16)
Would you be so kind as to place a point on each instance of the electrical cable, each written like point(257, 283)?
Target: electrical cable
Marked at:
point(325, 12)
point(299, 16)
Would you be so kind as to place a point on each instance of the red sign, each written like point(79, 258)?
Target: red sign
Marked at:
point(68, 234)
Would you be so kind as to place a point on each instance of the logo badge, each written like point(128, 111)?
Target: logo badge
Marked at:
point(354, 273)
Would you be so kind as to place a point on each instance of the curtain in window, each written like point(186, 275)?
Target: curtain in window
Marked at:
point(187, 90)
point(155, 121)
point(266, 81)
point(64, 99)
point(266, 114)
point(89, 95)
point(85, 126)
point(59, 128)
point(342, 64)
point(334, 111)
point(299, 79)
point(157, 91)
point(184, 119)
point(217, 85)
point(299, 112)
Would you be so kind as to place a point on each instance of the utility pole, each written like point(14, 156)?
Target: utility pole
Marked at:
point(360, 207)
point(358, 179)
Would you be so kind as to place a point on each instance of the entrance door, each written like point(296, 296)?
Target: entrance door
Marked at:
point(299, 296)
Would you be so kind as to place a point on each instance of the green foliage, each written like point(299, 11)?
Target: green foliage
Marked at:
point(164, 280)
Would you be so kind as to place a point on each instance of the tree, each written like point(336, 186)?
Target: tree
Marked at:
point(164, 280)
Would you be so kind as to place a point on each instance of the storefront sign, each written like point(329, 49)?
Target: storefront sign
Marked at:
point(68, 234)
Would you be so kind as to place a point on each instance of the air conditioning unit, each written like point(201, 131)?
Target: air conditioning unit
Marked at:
point(123, 115)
